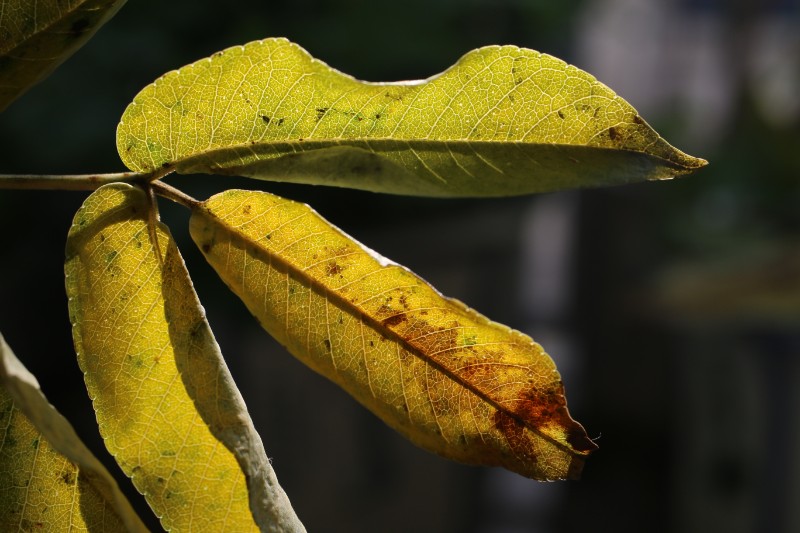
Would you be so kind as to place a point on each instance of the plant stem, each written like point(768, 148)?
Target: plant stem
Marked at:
point(171, 193)
point(75, 182)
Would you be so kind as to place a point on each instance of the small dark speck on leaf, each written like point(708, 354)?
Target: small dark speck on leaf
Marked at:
point(561, 115)
point(321, 112)
point(79, 26)
point(266, 119)
point(206, 248)
point(613, 133)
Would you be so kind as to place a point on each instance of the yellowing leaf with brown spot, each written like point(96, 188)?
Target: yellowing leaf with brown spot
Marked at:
point(166, 405)
point(443, 375)
point(38, 35)
point(502, 121)
point(49, 480)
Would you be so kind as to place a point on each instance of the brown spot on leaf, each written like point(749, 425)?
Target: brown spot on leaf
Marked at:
point(548, 407)
point(333, 268)
point(514, 432)
point(395, 319)
point(431, 340)
point(613, 134)
point(246, 209)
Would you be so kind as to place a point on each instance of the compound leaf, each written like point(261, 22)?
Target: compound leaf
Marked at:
point(438, 372)
point(502, 121)
point(38, 35)
point(49, 480)
point(165, 402)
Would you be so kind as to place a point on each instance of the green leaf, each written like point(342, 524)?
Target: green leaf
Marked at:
point(49, 480)
point(166, 404)
point(441, 374)
point(38, 35)
point(502, 121)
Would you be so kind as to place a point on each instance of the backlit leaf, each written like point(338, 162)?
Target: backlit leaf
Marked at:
point(501, 121)
point(438, 372)
point(49, 480)
point(165, 402)
point(38, 35)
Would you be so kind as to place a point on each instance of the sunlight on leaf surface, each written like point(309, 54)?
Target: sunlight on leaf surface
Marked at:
point(438, 372)
point(165, 402)
point(501, 121)
point(49, 480)
point(38, 35)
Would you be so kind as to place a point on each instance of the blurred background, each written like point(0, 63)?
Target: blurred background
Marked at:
point(672, 309)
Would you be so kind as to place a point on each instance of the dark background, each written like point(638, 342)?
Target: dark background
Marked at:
point(672, 309)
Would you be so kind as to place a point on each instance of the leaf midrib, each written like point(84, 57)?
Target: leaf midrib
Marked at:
point(301, 146)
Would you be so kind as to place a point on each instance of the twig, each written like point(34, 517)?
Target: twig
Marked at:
point(73, 182)
point(171, 193)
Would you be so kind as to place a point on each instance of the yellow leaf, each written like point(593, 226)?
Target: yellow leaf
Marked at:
point(502, 121)
point(166, 405)
point(49, 480)
point(38, 35)
point(438, 372)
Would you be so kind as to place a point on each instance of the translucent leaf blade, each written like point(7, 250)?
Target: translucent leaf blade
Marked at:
point(38, 35)
point(166, 405)
point(501, 121)
point(49, 480)
point(438, 372)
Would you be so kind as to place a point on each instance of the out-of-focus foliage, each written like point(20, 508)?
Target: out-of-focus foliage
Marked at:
point(38, 35)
